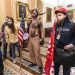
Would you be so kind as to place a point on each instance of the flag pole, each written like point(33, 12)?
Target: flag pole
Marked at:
point(21, 41)
point(20, 57)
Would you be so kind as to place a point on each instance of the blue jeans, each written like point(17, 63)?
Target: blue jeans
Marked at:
point(1, 64)
point(13, 47)
point(5, 50)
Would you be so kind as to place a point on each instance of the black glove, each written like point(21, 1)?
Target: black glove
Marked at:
point(42, 42)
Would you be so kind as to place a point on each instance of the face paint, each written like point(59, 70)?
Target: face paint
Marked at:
point(34, 14)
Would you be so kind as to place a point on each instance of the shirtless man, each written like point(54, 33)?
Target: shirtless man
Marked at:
point(35, 31)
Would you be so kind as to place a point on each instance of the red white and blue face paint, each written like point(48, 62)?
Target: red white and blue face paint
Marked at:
point(34, 14)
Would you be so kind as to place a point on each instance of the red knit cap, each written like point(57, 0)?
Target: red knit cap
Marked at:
point(62, 10)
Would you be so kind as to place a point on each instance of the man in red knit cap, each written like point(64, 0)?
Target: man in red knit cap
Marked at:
point(65, 39)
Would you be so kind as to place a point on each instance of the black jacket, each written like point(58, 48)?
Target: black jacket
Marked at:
point(67, 33)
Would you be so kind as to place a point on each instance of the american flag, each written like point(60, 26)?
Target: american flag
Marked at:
point(21, 31)
point(49, 64)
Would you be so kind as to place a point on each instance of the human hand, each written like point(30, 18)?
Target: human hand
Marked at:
point(70, 46)
point(42, 42)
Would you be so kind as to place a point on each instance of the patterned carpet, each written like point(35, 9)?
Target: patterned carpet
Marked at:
point(12, 69)
point(7, 71)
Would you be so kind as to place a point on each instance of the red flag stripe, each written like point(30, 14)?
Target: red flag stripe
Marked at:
point(20, 30)
point(21, 39)
point(21, 33)
point(49, 63)
point(20, 36)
